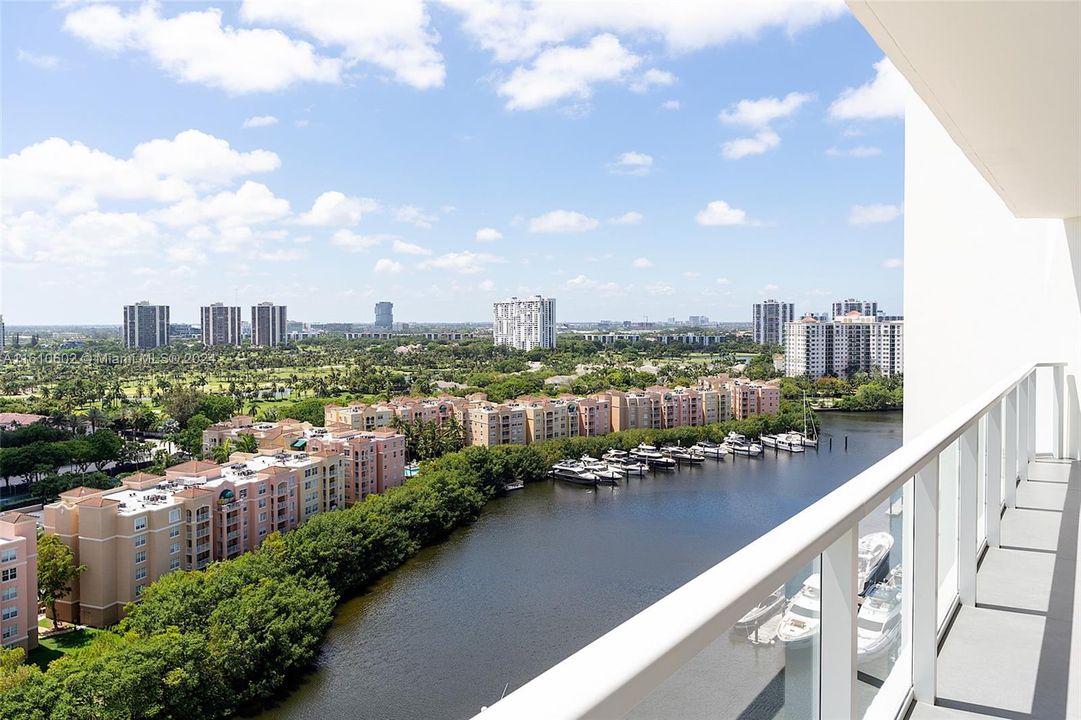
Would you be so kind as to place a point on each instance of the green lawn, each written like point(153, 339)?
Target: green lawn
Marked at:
point(51, 648)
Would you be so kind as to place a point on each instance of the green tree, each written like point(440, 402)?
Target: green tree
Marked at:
point(247, 443)
point(56, 572)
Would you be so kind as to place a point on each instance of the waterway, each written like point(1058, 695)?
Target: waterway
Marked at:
point(549, 568)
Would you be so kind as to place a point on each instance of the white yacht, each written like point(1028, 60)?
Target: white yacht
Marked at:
point(608, 475)
point(654, 459)
point(680, 454)
point(592, 464)
point(790, 441)
point(710, 449)
point(872, 552)
point(572, 471)
point(627, 464)
point(878, 625)
point(738, 445)
point(801, 618)
point(763, 610)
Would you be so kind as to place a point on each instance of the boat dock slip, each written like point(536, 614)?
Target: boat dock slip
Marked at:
point(766, 633)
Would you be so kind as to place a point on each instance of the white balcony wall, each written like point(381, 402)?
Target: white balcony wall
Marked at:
point(984, 291)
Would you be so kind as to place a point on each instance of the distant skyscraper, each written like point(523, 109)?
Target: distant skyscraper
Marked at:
point(3, 336)
point(384, 314)
point(769, 318)
point(268, 324)
point(146, 326)
point(220, 324)
point(525, 324)
point(844, 346)
point(863, 307)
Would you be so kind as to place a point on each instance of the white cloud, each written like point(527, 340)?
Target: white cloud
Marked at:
point(742, 147)
point(387, 266)
point(568, 72)
point(258, 121)
point(641, 263)
point(186, 253)
point(466, 262)
point(582, 282)
point(335, 208)
point(415, 216)
point(628, 218)
point(56, 171)
point(660, 288)
point(351, 241)
point(760, 113)
point(859, 151)
point(394, 36)
point(90, 239)
point(652, 78)
point(488, 234)
point(251, 204)
point(872, 214)
point(282, 255)
point(718, 212)
point(670, 105)
point(691, 274)
point(485, 285)
point(893, 263)
point(408, 248)
point(770, 287)
point(43, 62)
point(631, 163)
point(562, 221)
point(883, 97)
point(723, 281)
point(195, 47)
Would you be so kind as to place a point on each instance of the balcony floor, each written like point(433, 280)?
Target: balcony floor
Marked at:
point(1012, 654)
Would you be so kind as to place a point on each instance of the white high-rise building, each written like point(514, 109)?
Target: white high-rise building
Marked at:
point(769, 318)
point(848, 344)
point(525, 323)
point(268, 324)
point(220, 324)
point(146, 326)
point(863, 307)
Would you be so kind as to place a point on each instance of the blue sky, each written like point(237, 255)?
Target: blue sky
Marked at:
point(629, 159)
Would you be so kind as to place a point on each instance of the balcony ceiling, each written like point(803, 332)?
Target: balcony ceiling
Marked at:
point(1004, 79)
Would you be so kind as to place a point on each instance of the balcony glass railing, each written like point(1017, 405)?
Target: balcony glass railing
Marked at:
point(839, 611)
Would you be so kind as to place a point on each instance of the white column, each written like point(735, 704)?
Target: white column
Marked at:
point(1010, 470)
point(993, 492)
point(967, 513)
point(838, 636)
point(1022, 430)
point(1032, 416)
point(1058, 427)
point(924, 583)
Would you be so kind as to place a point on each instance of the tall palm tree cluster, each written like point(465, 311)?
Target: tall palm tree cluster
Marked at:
point(428, 440)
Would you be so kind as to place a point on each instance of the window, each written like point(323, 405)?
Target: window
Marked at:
point(140, 523)
point(140, 557)
point(262, 489)
point(11, 631)
point(262, 531)
point(174, 548)
point(140, 574)
point(174, 564)
point(10, 612)
point(10, 593)
point(174, 516)
point(140, 540)
point(174, 531)
point(262, 502)
point(139, 590)
point(9, 555)
point(262, 517)
point(8, 574)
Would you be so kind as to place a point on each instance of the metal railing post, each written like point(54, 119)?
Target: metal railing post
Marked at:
point(968, 514)
point(1010, 471)
point(1058, 426)
point(993, 492)
point(1022, 430)
point(924, 583)
point(1032, 416)
point(838, 639)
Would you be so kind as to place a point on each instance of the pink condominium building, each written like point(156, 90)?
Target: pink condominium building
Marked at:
point(18, 581)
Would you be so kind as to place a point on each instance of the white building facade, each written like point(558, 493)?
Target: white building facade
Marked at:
point(525, 323)
point(849, 344)
point(769, 318)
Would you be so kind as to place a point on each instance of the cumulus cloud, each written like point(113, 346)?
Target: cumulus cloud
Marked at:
point(251, 204)
point(353, 242)
point(466, 262)
point(195, 47)
point(488, 234)
point(568, 72)
point(859, 151)
point(883, 97)
point(641, 263)
point(873, 214)
point(631, 163)
point(670, 105)
point(660, 288)
point(652, 78)
point(742, 147)
point(335, 208)
point(414, 216)
point(43, 62)
point(893, 263)
point(259, 121)
point(562, 221)
point(386, 266)
point(90, 239)
point(718, 212)
point(628, 218)
point(408, 248)
point(758, 115)
point(582, 282)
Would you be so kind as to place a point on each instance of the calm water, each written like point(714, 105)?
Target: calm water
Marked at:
point(550, 568)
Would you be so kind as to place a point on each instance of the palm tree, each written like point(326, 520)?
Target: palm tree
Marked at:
point(95, 417)
point(245, 443)
point(224, 450)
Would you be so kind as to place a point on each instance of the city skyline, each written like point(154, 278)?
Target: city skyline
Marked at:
point(331, 192)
